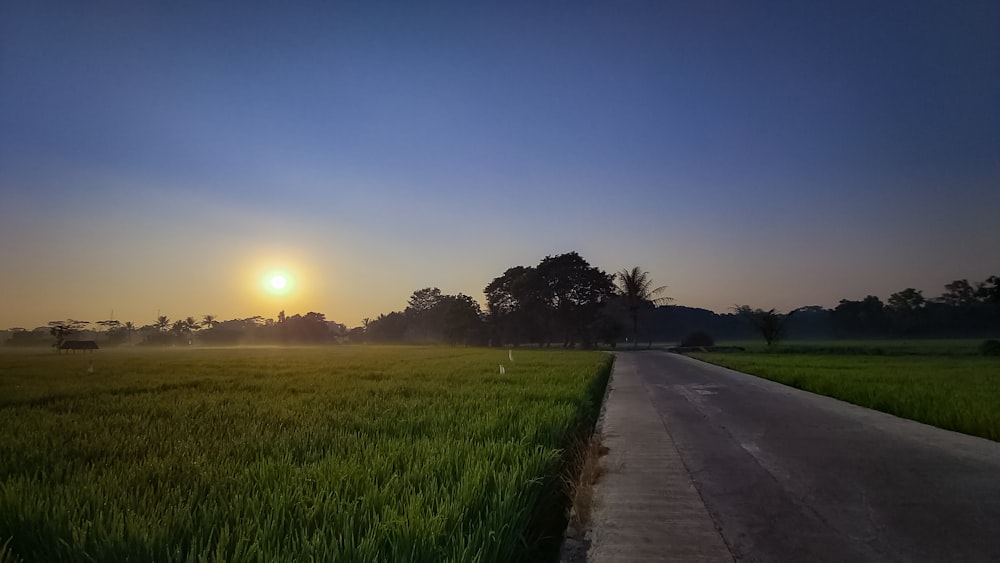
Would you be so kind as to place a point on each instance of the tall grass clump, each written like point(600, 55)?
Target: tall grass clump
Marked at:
point(271, 454)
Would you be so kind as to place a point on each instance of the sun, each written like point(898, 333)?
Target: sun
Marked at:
point(277, 282)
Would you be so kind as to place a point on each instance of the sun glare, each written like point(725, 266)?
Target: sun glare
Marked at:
point(277, 282)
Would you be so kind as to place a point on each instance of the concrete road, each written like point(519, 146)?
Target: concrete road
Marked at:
point(786, 475)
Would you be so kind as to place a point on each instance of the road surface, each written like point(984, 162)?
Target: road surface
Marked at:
point(786, 475)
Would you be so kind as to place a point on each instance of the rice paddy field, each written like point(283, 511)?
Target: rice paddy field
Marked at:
point(942, 383)
point(290, 454)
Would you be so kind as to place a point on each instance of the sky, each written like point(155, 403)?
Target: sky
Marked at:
point(166, 157)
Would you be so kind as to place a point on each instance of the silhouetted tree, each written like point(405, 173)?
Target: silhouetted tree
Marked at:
point(960, 293)
point(365, 323)
point(989, 291)
point(209, 321)
point(907, 301)
point(459, 316)
point(860, 318)
point(811, 321)
point(309, 328)
point(388, 328)
point(770, 324)
point(20, 337)
point(905, 309)
point(575, 292)
point(180, 331)
point(229, 332)
point(61, 330)
point(114, 332)
point(422, 326)
point(607, 328)
point(517, 307)
point(162, 323)
point(636, 287)
point(109, 324)
point(423, 300)
point(563, 293)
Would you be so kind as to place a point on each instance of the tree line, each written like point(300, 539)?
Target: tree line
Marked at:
point(564, 301)
point(311, 328)
point(963, 310)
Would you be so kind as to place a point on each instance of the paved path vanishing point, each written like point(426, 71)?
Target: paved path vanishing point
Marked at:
point(709, 464)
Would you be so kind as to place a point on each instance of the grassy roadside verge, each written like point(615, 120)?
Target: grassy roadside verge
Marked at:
point(951, 390)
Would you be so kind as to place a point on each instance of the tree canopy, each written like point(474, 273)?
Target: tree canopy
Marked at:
point(560, 299)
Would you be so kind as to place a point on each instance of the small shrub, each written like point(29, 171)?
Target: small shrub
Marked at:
point(698, 338)
point(990, 348)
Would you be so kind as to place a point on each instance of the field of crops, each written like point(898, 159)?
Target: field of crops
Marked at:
point(939, 383)
point(302, 454)
point(871, 347)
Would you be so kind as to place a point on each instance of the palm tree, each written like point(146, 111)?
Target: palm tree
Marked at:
point(130, 327)
point(637, 289)
point(162, 322)
point(209, 320)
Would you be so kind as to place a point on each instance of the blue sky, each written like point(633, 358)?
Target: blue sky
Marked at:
point(164, 156)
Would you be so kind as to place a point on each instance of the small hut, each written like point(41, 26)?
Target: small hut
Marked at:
point(75, 345)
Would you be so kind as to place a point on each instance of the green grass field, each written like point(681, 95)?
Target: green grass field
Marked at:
point(942, 383)
point(303, 454)
point(871, 347)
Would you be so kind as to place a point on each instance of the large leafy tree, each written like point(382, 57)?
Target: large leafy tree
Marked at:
point(311, 327)
point(866, 317)
point(576, 292)
point(562, 296)
point(387, 328)
point(457, 317)
point(906, 309)
point(989, 291)
point(420, 314)
point(430, 317)
point(636, 288)
point(960, 293)
point(908, 301)
point(423, 300)
point(517, 307)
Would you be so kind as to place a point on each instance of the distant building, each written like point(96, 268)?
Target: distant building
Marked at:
point(75, 345)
